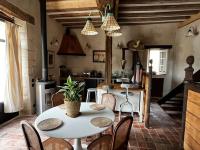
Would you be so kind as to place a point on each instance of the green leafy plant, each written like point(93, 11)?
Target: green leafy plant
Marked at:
point(72, 90)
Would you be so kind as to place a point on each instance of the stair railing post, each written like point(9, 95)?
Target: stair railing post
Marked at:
point(187, 80)
point(148, 94)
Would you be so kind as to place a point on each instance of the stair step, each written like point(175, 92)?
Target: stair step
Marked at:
point(172, 108)
point(180, 95)
point(174, 112)
point(176, 102)
point(170, 105)
point(176, 99)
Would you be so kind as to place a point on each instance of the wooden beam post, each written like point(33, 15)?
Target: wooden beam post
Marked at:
point(148, 97)
point(187, 80)
point(108, 64)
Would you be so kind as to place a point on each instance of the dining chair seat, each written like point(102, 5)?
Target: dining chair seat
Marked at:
point(56, 144)
point(33, 140)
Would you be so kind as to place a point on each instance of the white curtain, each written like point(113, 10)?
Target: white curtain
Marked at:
point(13, 92)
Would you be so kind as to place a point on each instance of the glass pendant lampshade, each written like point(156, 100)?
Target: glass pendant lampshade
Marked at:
point(114, 33)
point(110, 24)
point(89, 28)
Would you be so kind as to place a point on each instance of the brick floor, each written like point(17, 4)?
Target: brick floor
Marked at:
point(162, 135)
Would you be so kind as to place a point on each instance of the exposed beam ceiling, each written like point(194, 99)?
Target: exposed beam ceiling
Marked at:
point(157, 2)
point(73, 13)
point(150, 9)
point(157, 14)
point(190, 20)
point(70, 4)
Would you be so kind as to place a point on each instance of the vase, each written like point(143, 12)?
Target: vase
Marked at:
point(72, 108)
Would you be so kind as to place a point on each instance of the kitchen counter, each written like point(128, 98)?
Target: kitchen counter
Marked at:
point(135, 98)
point(118, 86)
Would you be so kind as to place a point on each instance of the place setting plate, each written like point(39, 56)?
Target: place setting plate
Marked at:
point(97, 107)
point(101, 122)
point(49, 124)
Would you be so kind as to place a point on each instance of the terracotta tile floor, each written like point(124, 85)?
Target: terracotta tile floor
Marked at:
point(163, 134)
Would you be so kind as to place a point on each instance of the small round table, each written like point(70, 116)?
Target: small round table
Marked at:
point(75, 128)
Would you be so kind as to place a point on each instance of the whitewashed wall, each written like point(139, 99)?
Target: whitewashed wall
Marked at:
point(185, 46)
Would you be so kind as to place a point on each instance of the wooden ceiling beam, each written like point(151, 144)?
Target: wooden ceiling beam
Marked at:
point(78, 20)
point(79, 23)
point(152, 19)
point(149, 22)
point(94, 14)
point(190, 20)
point(88, 9)
point(151, 9)
point(12, 10)
point(82, 17)
point(157, 14)
point(70, 4)
point(157, 2)
point(78, 27)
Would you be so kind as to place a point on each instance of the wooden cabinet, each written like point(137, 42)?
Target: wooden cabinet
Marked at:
point(192, 123)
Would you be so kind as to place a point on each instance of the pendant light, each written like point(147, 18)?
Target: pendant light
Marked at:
point(115, 33)
point(110, 24)
point(89, 28)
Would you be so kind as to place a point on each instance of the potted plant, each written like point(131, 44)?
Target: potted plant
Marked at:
point(72, 93)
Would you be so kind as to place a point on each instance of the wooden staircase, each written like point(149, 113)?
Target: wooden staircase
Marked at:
point(174, 106)
point(172, 103)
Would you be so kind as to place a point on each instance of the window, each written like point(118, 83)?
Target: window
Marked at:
point(2, 57)
point(159, 57)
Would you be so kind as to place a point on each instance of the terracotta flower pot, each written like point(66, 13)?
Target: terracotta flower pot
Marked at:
point(72, 108)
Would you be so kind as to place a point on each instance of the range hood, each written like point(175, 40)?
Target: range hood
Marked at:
point(70, 45)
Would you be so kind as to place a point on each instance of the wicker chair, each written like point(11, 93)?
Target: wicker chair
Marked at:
point(108, 100)
point(119, 138)
point(33, 140)
point(122, 133)
point(102, 143)
point(57, 99)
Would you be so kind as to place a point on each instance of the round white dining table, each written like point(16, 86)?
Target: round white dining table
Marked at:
point(75, 128)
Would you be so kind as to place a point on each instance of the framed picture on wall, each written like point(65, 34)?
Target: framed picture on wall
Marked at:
point(51, 59)
point(99, 56)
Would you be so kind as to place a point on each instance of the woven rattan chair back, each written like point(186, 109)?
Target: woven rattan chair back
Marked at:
point(122, 133)
point(57, 99)
point(32, 137)
point(33, 140)
point(108, 100)
point(102, 143)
